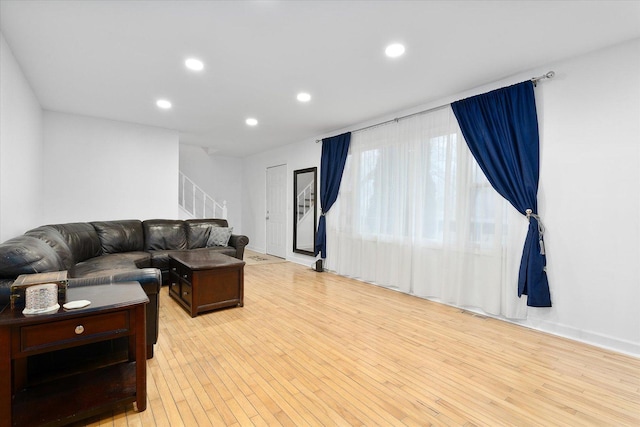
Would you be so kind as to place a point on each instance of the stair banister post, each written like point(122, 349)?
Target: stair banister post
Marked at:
point(224, 209)
point(193, 191)
point(182, 182)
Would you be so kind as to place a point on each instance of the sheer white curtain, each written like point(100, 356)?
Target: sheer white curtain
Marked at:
point(415, 213)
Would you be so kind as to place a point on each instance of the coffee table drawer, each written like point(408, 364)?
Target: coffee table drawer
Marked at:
point(186, 292)
point(181, 272)
point(37, 337)
point(186, 275)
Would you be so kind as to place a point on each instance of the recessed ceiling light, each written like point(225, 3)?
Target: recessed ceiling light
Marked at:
point(251, 121)
point(194, 64)
point(304, 97)
point(163, 103)
point(394, 50)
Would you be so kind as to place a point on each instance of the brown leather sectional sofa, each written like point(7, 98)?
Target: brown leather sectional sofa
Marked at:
point(111, 252)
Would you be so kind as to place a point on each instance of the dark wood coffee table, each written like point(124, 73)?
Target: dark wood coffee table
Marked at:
point(63, 366)
point(203, 281)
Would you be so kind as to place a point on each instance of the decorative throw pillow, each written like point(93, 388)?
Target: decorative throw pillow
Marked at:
point(219, 236)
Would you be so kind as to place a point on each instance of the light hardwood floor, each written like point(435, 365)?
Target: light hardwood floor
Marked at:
point(316, 349)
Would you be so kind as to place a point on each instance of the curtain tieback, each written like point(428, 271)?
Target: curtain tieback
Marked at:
point(540, 229)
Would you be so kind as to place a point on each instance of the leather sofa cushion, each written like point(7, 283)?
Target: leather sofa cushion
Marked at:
point(120, 236)
point(110, 262)
point(56, 241)
point(82, 240)
point(164, 234)
point(198, 231)
point(27, 255)
point(160, 259)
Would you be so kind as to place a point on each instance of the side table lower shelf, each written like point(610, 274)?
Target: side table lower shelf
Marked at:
point(57, 403)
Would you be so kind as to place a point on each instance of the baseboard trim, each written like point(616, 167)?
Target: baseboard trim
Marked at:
point(592, 338)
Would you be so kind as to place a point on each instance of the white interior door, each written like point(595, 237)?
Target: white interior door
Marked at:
point(276, 214)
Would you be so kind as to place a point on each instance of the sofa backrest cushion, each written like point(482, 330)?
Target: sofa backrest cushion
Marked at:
point(82, 239)
point(120, 236)
point(27, 255)
point(56, 241)
point(198, 230)
point(163, 234)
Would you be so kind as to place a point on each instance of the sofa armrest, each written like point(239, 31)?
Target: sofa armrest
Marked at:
point(239, 241)
point(5, 292)
point(149, 278)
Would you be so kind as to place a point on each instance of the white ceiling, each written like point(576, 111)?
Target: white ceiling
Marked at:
point(113, 59)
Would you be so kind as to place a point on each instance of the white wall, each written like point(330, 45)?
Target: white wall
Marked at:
point(303, 155)
point(218, 176)
point(100, 169)
point(589, 196)
point(21, 177)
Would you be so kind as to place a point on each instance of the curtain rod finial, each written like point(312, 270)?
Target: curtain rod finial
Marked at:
point(547, 75)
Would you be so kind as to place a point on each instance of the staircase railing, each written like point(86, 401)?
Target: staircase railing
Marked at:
point(197, 202)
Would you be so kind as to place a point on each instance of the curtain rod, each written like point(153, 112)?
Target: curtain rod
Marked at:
point(534, 80)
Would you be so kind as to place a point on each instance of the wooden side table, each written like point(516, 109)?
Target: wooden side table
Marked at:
point(203, 281)
point(61, 367)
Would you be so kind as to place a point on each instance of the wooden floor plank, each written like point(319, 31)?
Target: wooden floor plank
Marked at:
point(318, 349)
